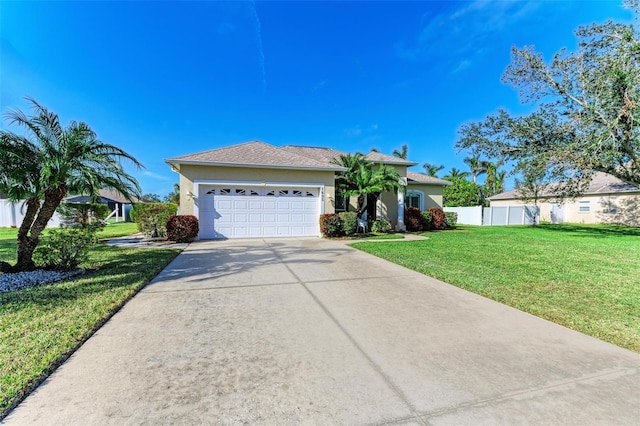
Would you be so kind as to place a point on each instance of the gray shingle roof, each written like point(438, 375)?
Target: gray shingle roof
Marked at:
point(317, 153)
point(106, 195)
point(257, 154)
point(260, 154)
point(377, 157)
point(601, 183)
point(414, 177)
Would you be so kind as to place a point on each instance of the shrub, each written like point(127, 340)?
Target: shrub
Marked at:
point(438, 218)
point(182, 228)
point(65, 249)
point(151, 218)
point(451, 219)
point(413, 219)
point(428, 220)
point(381, 225)
point(82, 214)
point(331, 225)
point(349, 222)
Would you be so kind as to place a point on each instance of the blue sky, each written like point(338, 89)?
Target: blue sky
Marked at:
point(163, 78)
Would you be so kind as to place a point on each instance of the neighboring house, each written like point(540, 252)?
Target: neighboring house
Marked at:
point(606, 200)
point(256, 189)
point(119, 206)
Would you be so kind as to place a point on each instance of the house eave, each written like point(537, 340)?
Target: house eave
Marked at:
point(176, 162)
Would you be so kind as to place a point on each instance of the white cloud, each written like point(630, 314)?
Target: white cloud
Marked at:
point(468, 31)
point(155, 175)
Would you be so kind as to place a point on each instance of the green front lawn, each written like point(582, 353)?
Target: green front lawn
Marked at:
point(584, 277)
point(40, 327)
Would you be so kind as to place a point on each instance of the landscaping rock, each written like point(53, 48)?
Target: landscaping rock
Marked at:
point(22, 280)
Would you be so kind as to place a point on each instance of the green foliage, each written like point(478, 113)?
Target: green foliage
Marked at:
point(380, 225)
point(182, 228)
point(432, 169)
point(349, 222)
point(50, 161)
point(331, 225)
point(151, 218)
point(587, 105)
point(82, 214)
point(438, 218)
point(427, 219)
point(65, 249)
point(364, 178)
point(462, 193)
point(151, 198)
point(174, 196)
point(455, 174)
point(451, 220)
point(413, 219)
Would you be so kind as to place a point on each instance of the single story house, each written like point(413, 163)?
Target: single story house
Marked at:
point(119, 206)
point(606, 200)
point(256, 189)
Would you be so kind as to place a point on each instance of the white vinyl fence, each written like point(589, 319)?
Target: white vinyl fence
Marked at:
point(467, 215)
point(511, 215)
point(11, 215)
point(496, 216)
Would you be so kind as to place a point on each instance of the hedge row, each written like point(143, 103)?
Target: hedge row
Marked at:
point(433, 218)
point(159, 220)
point(346, 224)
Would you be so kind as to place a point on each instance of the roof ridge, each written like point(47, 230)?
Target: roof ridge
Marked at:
point(224, 147)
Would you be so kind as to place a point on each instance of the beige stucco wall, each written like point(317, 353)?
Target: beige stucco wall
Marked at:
point(604, 208)
point(191, 173)
point(432, 194)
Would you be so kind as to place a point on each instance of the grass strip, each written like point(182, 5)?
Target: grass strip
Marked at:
point(42, 326)
point(580, 276)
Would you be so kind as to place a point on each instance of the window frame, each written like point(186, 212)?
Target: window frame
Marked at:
point(584, 204)
point(415, 193)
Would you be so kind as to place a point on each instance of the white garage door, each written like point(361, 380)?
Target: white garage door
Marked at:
point(245, 212)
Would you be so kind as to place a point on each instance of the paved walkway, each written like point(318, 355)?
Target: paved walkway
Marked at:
point(314, 332)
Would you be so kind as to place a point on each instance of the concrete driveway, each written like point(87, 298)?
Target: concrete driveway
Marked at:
point(314, 332)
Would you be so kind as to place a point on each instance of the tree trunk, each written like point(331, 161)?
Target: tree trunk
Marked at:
point(30, 230)
point(24, 241)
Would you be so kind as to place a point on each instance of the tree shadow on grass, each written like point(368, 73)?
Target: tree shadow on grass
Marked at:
point(593, 230)
point(117, 270)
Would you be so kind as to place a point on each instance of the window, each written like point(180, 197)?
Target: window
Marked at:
point(341, 202)
point(584, 207)
point(414, 199)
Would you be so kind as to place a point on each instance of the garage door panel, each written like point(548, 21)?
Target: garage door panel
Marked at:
point(240, 218)
point(240, 205)
point(241, 212)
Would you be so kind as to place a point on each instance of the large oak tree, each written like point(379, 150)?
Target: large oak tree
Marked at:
point(586, 115)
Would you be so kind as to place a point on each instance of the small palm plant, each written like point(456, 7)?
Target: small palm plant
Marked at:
point(50, 162)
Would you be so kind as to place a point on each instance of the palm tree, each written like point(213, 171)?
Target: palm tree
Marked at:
point(495, 178)
point(476, 166)
point(431, 169)
point(51, 162)
point(174, 196)
point(365, 179)
point(454, 174)
point(402, 153)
